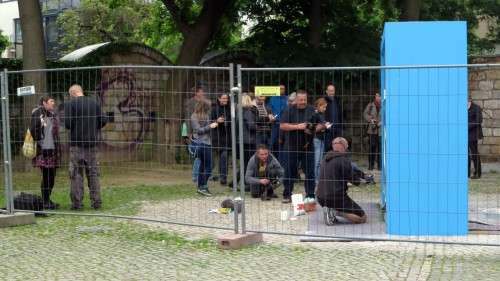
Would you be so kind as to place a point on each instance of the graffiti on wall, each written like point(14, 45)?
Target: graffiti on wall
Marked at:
point(128, 103)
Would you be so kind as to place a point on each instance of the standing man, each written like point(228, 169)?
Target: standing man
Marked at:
point(333, 115)
point(199, 95)
point(372, 116)
point(277, 105)
point(475, 118)
point(296, 148)
point(84, 119)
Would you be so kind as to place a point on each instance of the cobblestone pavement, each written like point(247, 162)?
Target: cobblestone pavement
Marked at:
point(73, 248)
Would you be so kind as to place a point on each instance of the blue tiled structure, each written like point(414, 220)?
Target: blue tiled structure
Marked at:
point(425, 128)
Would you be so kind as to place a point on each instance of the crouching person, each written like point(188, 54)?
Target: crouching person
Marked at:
point(336, 171)
point(264, 173)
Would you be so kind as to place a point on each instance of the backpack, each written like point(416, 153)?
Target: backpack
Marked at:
point(26, 201)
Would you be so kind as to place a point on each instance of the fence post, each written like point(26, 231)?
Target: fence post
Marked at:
point(9, 201)
point(242, 154)
point(232, 92)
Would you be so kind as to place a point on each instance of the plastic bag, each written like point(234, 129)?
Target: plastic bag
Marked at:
point(29, 146)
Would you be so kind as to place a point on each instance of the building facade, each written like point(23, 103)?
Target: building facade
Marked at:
point(11, 26)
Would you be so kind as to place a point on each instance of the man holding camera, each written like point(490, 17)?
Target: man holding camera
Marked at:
point(263, 174)
point(296, 147)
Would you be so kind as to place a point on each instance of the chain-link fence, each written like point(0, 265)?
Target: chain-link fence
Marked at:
point(166, 155)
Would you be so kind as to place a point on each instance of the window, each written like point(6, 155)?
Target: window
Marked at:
point(18, 36)
point(51, 31)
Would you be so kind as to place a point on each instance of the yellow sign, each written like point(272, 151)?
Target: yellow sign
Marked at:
point(267, 91)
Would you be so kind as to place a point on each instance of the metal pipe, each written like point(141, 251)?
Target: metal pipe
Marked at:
point(9, 200)
point(242, 154)
point(122, 66)
point(233, 143)
point(369, 67)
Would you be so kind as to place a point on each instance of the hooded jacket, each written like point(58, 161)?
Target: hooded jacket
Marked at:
point(221, 136)
point(335, 172)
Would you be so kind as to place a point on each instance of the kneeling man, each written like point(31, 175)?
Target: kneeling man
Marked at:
point(264, 173)
point(336, 171)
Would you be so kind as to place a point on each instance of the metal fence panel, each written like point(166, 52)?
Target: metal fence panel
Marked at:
point(145, 168)
point(356, 87)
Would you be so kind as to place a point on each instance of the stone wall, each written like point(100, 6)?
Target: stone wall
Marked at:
point(484, 87)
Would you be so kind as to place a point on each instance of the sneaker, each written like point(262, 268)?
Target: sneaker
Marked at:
point(50, 205)
point(264, 197)
point(76, 208)
point(286, 200)
point(329, 215)
point(204, 192)
point(369, 179)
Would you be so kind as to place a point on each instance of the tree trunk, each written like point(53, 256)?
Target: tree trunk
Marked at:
point(315, 27)
point(197, 37)
point(410, 10)
point(33, 53)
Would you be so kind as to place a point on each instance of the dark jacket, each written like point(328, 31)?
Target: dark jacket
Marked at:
point(221, 136)
point(475, 117)
point(273, 170)
point(249, 125)
point(335, 172)
point(334, 116)
point(316, 119)
point(37, 130)
point(84, 119)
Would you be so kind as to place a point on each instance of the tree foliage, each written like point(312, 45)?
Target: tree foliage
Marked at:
point(349, 32)
point(471, 11)
point(4, 42)
point(151, 23)
point(281, 32)
point(97, 21)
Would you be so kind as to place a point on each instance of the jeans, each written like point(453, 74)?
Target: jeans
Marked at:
point(291, 160)
point(84, 159)
point(275, 134)
point(204, 154)
point(474, 158)
point(319, 149)
point(374, 155)
point(263, 138)
point(222, 153)
point(196, 164)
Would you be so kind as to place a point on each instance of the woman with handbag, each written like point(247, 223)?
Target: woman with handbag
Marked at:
point(44, 128)
point(202, 127)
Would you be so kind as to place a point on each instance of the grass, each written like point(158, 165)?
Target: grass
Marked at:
point(123, 188)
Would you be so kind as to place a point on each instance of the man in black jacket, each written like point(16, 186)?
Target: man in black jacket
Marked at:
point(475, 118)
point(333, 115)
point(296, 150)
point(221, 136)
point(84, 119)
point(335, 172)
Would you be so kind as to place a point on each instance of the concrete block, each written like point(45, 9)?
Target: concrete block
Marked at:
point(486, 85)
point(237, 241)
point(492, 104)
point(7, 220)
point(493, 74)
point(480, 95)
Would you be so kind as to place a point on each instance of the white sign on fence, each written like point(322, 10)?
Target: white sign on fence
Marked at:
point(25, 91)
